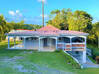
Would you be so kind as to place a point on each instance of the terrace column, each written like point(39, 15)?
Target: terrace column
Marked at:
point(24, 43)
point(84, 57)
point(70, 42)
point(56, 43)
point(8, 42)
point(84, 53)
point(39, 44)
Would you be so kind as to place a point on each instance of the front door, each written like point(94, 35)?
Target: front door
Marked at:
point(45, 42)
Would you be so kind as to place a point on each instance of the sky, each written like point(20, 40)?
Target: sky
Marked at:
point(30, 10)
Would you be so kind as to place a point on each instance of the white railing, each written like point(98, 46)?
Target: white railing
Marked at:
point(71, 46)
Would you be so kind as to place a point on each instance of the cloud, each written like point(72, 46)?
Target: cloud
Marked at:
point(15, 13)
point(12, 13)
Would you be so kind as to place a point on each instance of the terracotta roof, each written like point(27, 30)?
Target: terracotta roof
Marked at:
point(48, 28)
point(47, 31)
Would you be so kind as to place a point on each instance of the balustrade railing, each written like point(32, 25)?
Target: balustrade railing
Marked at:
point(71, 46)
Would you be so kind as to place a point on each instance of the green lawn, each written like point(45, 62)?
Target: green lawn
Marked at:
point(33, 62)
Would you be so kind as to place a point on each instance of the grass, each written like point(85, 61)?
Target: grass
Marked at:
point(33, 59)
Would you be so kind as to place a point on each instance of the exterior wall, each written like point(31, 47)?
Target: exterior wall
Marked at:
point(50, 45)
point(32, 44)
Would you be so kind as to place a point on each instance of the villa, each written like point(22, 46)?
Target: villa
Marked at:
point(49, 38)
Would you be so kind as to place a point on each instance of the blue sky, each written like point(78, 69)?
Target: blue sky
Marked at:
point(30, 10)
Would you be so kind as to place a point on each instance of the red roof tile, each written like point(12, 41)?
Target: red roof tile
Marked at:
point(48, 28)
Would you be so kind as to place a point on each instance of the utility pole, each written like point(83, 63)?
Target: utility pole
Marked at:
point(43, 13)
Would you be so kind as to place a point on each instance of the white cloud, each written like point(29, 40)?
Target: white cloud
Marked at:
point(45, 15)
point(12, 13)
point(15, 13)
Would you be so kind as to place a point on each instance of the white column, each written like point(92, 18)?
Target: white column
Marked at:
point(84, 53)
point(8, 42)
point(84, 56)
point(71, 43)
point(24, 42)
point(56, 43)
point(39, 44)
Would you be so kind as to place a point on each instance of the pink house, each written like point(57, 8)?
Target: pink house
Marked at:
point(49, 38)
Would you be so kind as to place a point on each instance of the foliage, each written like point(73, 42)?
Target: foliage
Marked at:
point(96, 31)
point(66, 19)
point(80, 21)
point(59, 19)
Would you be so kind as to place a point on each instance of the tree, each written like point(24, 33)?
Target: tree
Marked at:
point(59, 18)
point(80, 21)
point(3, 27)
point(96, 29)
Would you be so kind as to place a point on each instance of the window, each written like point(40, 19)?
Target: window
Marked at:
point(78, 39)
point(64, 40)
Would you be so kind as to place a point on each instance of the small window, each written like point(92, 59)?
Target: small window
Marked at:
point(78, 39)
point(64, 40)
